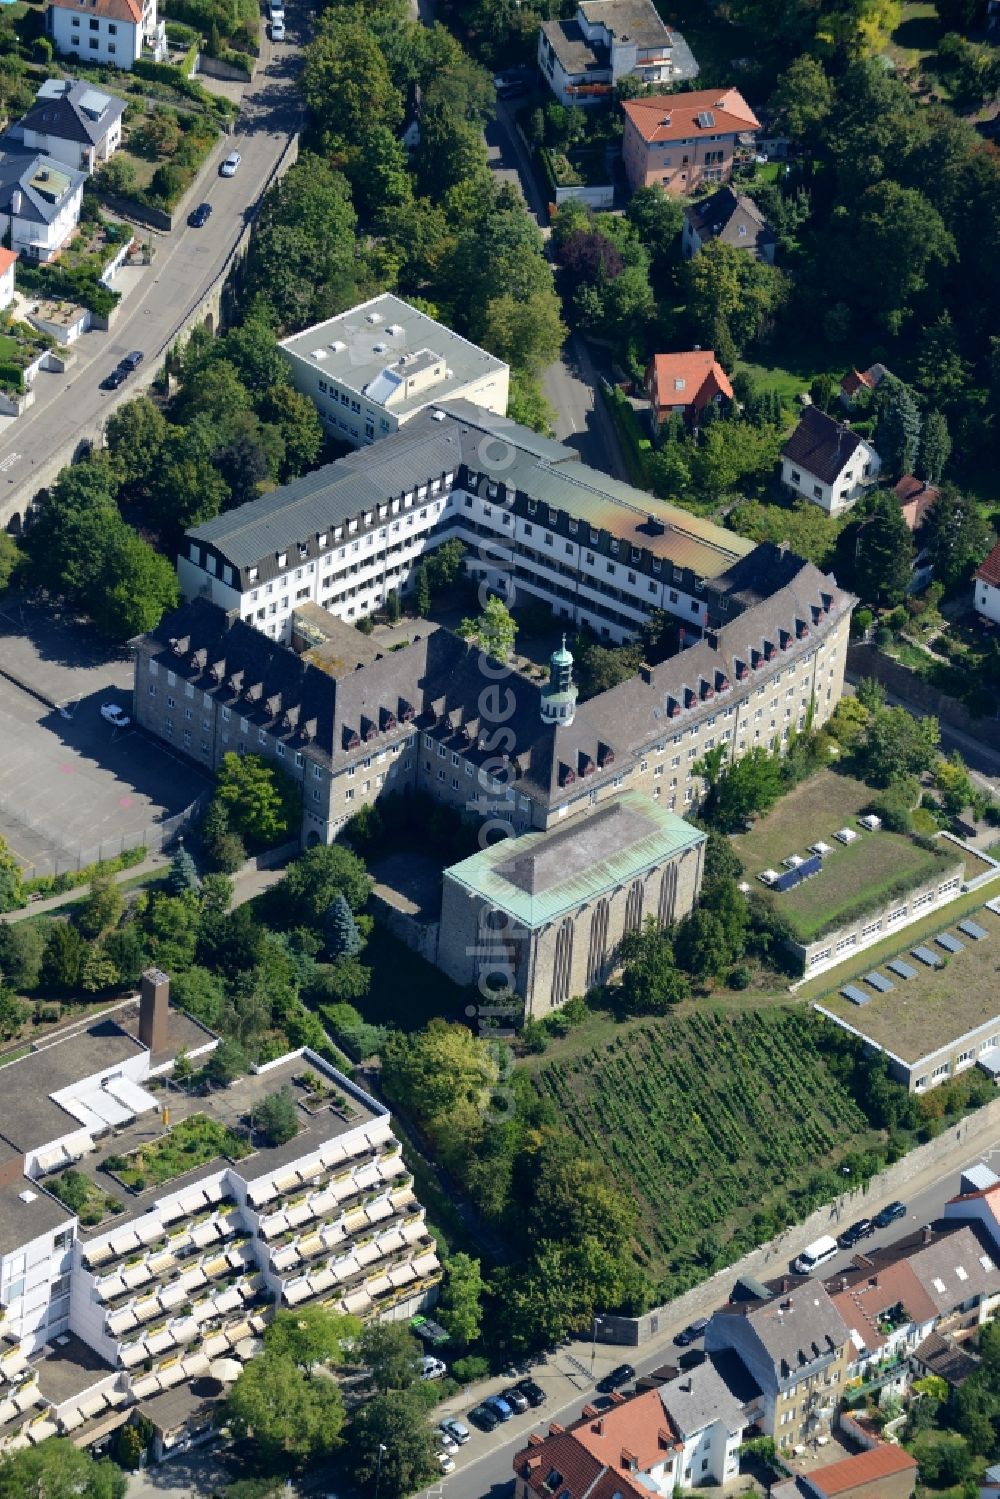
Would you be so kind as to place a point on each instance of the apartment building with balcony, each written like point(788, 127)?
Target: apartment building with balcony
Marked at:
point(162, 1273)
point(682, 142)
point(107, 32)
point(582, 58)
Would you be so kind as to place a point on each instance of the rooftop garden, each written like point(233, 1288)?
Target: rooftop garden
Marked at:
point(84, 1197)
point(193, 1142)
point(20, 345)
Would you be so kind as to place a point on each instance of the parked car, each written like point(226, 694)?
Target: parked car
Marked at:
point(510, 87)
point(484, 1418)
point(457, 1430)
point(447, 1441)
point(432, 1368)
point(692, 1332)
point(131, 361)
point(863, 1229)
point(117, 377)
point(447, 1462)
point(532, 1392)
point(498, 1405)
point(199, 217)
point(516, 1399)
point(117, 717)
point(616, 1378)
point(890, 1214)
point(231, 164)
point(278, 29)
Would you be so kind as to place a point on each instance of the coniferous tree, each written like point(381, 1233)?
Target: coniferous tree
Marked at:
point(183, 874)
point(343, 939)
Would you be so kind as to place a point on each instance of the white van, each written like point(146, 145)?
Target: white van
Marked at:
point(814, 1255)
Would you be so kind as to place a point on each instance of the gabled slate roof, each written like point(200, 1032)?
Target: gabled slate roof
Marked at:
point(44, 184)
point(73, 112)
point(821, 445)
point(732, 217)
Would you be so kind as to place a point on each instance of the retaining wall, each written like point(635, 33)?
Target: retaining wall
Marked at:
point(866, 661)
point(419, 936)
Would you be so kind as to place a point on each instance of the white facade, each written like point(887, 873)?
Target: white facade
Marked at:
point(574, 86)
point(38, 241)
point(95, 39)
point(7, 279)
point(987, 600)
point(75, 153)
point(857, 475)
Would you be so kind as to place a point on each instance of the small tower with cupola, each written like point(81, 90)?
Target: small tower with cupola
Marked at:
point(559, 692)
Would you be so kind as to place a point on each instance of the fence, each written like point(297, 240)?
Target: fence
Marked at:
point(156, 837)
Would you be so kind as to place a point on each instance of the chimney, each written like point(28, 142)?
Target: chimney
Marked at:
point(154, 1000)
point(926, 1234)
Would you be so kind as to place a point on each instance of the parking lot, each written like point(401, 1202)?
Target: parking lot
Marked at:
point(72, 787)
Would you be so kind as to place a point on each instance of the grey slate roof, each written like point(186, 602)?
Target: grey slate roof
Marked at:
point(701, 1396)
point(73, 111)
point(794, 1328)
point(732, 217)
point(821, 445)
point(44, 184)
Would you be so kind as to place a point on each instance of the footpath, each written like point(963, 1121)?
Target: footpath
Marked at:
point(247, 882)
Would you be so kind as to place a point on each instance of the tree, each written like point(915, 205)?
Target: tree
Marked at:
point(12, 559)
point(346, 80)
point(11, 888)
point(297, 420)
point(803, 97)
point(495, 629)
point(136, 587)
point(421, 591)
point(98, 970)
point(290, 1417)
point(896, 241)
point(750, 786)
point(527, 334)
point(935, 447)
point(103, 907)
point(276, 1117)
point(956, 537)
point(311, 1335)
point(343, 940)
point(953, 784)
point(700, 944)
point(303, 258)
point(896, 745)
point(227, 1062)
point(183, 873)
point(651, 983)
point(392, 1353)
point(460, 1308)
point(658, 220)
point(62, 959)
point(22, 946)
point(312, 883)
point(897, 425)
point(391, 1438)
point(436, 1070)
point(136, 435)
point(264, 804)
point(55, 1469)
point(723, 282)
point(883, 550)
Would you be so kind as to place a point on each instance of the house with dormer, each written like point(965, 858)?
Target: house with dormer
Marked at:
point(827, 462)
point(684, 384)
point(40, 202)
point(683, 142)
point(73, 123)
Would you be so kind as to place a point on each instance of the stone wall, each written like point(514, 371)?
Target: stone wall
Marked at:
point(866, 661)
point(916, 1171)
point(420, 937)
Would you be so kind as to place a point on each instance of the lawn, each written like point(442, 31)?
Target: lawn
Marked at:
point(788, 382)
point(923, 1013)
point(190, 1143)
point(709, 1124)
point(870, 870)
point(916, 37)
point(8, 346)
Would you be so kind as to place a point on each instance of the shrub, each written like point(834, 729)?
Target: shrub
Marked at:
point(741, 977)
point(277, 1119)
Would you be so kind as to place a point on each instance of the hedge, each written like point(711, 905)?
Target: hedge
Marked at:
point(56, 884)
point(71, 286)
point(11, 376)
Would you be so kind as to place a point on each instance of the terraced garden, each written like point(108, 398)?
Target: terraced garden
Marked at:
point(722, 1127)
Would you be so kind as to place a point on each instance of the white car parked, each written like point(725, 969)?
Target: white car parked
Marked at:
point(115, 716)
point(278, 29)
point(432, 1368)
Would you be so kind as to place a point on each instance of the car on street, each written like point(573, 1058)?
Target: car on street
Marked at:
point(447, 1462)
point(132, 361)
point(117, 377)
point(117, 717)
point(890, 1214)
point(510, 85)
point(692, 1332)
point(532, 1392)
point(516, 1399)
point(230, 166)
point(484, 1418)
point(498, 1405)
point(616, 1378)
point(863, 1229)
point(457, 1430)
point(432, 1368)
point(199, 217)
point(278, 29)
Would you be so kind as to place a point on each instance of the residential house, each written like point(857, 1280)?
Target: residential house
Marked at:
point(106, 32)
point(798, 1348)
point(39, 203)
point(684, 384)
point(944, 1359)
point(857, 381)
point(583, 58)
point(884, 1471)
point(916, 498)
point(987, 586)
point(731, 217)
point(681, 142)
point(990, 1483)
point(826, 462)
point(707, 1408)
point(372, 369)
point(631, 1449)
point(979, 1205)
point(73, 123)
point(8, 260)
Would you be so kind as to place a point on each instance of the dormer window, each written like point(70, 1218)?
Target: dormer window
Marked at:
point(282, 559)
point(252, 574)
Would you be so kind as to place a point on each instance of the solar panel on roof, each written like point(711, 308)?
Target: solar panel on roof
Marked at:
point(973, 929)
point(880, 982)
point(949, 943)
point(902, 969)
point(855, 995)
point(801, 871)
point(924, 955)
point(706, 119)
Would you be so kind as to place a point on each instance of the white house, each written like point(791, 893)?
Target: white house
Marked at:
point(73, 123)
point(987, 581)
point(709, 1417)
point(106, 31)
point(583, 58)
point(8, 260)
point(39, 203)
point(828, 463)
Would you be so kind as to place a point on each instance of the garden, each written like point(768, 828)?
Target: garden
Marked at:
point(20, 346)
point(722, 1128)
point(83, 1197)
point(188, 1144)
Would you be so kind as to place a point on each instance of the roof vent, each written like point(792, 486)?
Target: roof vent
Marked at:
point(379, 348)
point(338, 346)
point(438, 416)
point(395, 329)
point(27, 1196)
point(373, 317)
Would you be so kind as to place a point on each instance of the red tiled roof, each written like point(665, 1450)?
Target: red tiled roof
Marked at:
point(882, 1461)
point(595, 1454)
point(863, 1304)
point(111, 10)
point(674, 117)
point(915, 498)
point(990, 573)
point(7, 259)
point(702, 375)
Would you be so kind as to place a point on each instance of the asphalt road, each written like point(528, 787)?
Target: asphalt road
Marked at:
point(484, 1465)
point(185, 264)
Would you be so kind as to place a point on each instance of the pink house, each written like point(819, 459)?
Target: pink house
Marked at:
point(681, 142)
